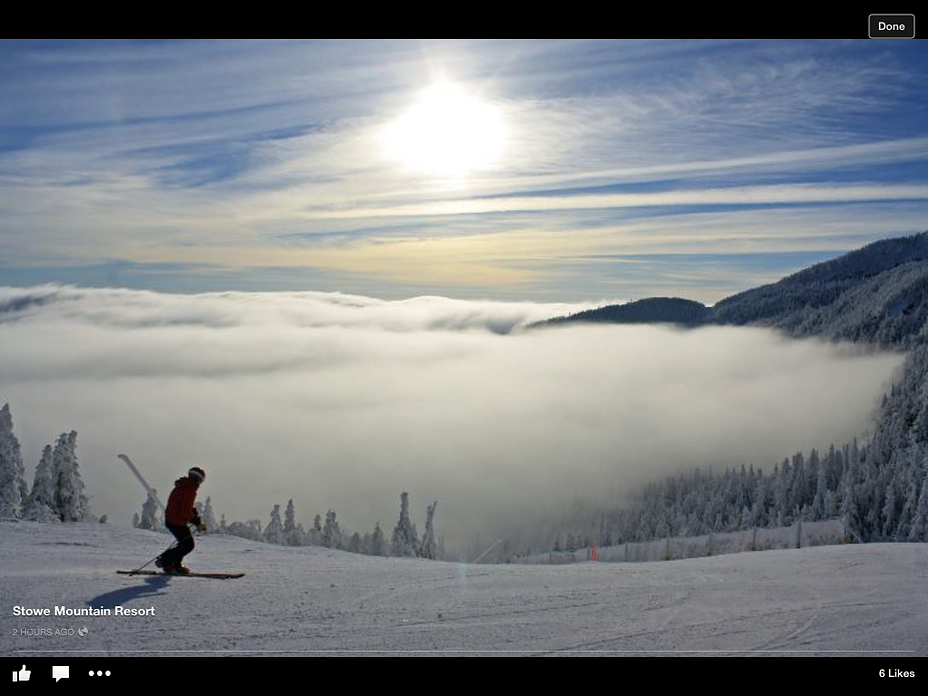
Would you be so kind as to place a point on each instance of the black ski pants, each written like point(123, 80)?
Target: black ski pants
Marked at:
point(175, 555)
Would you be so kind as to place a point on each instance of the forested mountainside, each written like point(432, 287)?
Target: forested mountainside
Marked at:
point(653, 310)
point(877, 295)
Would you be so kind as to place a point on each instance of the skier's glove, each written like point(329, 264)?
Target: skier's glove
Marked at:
point(201, 527)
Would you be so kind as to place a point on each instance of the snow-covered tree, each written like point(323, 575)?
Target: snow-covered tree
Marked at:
point(330, 532)
point(919, 530)
point(293, 532)
point(150, 518)
point(273, 533)
point(354, 544)
point(208, 516)
point(70, 502)
point(378, 542)
point(892, 506)
point(405, 540)
point(429, 547)
point(246, 530)
point(13, 491)
point(315, 534)
point(40, 506)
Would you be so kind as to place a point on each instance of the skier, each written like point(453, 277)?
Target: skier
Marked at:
point(179, 514)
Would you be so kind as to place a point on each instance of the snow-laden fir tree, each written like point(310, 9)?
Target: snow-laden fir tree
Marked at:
point(150, 518)
point(330, 533)
point(253, 530)
point(315, 534)
point(274, 532)
point(378, 542)
point(293, 532)
point(70, 502)
point(40, 506)
point(910, 505)
point(429, 547)
point(355, 544)
point(405, 540)
point(13, 491)
point(919, 529)
point(208, 516)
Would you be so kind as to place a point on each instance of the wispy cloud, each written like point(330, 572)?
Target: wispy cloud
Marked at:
point(194, 152)
point(750, 195)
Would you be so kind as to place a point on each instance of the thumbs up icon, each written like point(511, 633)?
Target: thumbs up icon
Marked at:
point(22, 675)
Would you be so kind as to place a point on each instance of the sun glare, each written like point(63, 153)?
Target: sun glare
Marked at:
point(447, 132)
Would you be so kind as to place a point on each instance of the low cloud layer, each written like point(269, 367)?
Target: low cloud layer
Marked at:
point(343, 402)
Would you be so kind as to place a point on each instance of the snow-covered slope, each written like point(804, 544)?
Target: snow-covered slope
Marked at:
point(827, 600)
point(877, 294)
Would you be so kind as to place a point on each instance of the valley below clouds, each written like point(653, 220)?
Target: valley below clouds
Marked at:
point(342, 402)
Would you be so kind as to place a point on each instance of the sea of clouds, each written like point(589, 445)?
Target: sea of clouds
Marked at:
point(342, 402)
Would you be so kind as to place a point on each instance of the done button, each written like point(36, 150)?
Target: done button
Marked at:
point(892, 26)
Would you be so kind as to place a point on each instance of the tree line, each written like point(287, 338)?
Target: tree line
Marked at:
point(880, 487)
point(286, 531)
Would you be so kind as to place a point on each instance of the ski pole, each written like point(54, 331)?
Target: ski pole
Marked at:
point(174, 545)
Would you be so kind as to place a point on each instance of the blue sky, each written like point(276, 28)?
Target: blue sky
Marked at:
point(620, 169)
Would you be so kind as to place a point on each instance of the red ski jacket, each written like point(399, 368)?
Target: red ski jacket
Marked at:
point(180, 509)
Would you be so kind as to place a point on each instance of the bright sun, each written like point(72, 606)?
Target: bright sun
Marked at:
point(447, 132)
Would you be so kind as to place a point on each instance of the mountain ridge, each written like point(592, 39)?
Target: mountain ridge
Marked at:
point(877, 294)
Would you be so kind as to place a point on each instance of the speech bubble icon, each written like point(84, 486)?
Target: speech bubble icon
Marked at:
point(59, 673)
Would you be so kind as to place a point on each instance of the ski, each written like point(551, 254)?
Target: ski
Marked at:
point(215, 576)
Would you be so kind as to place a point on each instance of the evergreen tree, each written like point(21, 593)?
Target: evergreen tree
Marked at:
point(315, 536)
point(13, 491)
point(919, 530)
point(821, 492)
point(405, 540)
point(331, 532)
point(208, 516)
point(40, 505)
point(378, 542)
point(909, 507)
point(891, 509)
point(354, 544)
point(759, 509)
point(782, 487)
point(273, 533)
point(70, 502)
point(293, 533)
point(149, 518)
point(429, 547)
point(849, 509)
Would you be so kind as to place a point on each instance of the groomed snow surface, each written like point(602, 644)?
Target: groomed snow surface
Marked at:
point(836, 600)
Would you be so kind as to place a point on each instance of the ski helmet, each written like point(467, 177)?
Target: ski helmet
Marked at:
point(197, 473)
